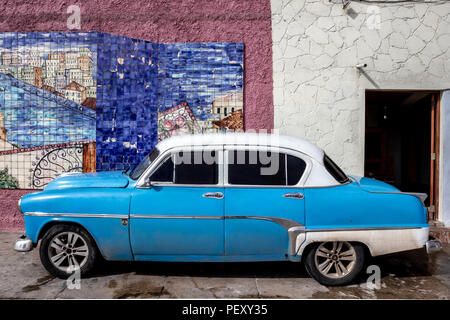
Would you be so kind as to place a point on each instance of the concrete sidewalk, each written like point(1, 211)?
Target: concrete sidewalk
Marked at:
point(410, 275)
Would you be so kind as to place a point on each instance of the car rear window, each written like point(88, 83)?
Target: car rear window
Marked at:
point(334, 170)
point(246, 168)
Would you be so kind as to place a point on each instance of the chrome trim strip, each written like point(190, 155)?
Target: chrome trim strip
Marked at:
point(285, 223)
point(175, 185)
point(76, 215)
point(329, 186)
point(162, 184)
point(143, 216)
point(262, 186)
point(283, 187)
point(293, 233)
point(360, 229)
point(421, 196)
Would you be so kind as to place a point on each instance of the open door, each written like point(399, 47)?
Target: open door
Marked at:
point(402, 141)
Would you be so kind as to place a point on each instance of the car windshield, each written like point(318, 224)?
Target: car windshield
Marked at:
point(140, 168)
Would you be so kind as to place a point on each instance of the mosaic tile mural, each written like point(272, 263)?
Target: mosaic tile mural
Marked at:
point(139, 82)
point(46, 81)
point(85, 101)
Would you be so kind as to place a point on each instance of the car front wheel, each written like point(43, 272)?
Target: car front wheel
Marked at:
point(66, 249)
point(335, 263)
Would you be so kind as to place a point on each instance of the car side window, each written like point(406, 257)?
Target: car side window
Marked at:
point(295, 169)
point(248, 168)
point(264, 168)
point(198, 167)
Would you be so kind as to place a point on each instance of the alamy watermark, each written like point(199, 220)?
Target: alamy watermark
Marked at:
point(257, 148)
point(74, 19)
point(74, 280)
point(373, 282)
point(373, 21)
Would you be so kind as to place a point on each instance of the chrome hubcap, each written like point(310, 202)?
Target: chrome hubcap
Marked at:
point(335, 259)
point(68, 250)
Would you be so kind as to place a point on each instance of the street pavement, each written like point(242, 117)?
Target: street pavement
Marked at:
point(408, 275)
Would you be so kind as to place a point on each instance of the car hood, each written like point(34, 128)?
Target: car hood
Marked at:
point(114, 179)
point(373, 185)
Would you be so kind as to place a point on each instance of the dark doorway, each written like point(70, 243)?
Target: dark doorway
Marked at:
point(400, 140)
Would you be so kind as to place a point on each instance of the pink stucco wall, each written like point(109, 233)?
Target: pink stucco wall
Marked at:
point(10, 217)
point(245, 21)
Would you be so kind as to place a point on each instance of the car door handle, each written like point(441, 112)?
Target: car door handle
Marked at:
point(214, 195)
point(297, 195)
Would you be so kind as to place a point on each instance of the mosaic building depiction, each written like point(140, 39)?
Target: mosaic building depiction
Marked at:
point(176, 121)
point(86, 101)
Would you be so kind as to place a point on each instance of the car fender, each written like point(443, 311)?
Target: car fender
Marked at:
point(379, 241)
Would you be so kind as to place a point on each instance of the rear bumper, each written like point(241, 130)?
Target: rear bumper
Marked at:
point(23, 244)
point(433, 245)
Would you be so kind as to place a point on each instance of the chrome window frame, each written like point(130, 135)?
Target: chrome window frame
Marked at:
point(222, 151)
point(292, 152)
point(141, 184)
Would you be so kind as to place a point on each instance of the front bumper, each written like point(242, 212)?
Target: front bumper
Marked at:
point(23, 244)
point(433, 245)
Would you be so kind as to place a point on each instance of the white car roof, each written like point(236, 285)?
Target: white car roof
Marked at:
point(229, 139)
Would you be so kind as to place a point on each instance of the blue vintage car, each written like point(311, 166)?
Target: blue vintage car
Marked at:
point(225, 197)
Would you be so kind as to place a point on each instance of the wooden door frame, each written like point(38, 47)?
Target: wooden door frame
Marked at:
point(433, 212)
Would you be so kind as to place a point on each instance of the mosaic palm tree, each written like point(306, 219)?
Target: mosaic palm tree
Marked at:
point(7, 181)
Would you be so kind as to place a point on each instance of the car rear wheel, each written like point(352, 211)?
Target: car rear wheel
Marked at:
point(335, 263)
point(65, 249)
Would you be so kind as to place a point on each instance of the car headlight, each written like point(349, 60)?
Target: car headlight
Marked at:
point(18, 204)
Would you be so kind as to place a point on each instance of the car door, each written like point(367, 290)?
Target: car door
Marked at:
point(181, 212)
point(264, 211)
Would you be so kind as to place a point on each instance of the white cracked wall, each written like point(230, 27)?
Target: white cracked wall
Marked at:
point(318, 91)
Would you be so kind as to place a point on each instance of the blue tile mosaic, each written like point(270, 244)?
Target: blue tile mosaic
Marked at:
point(60, 89)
